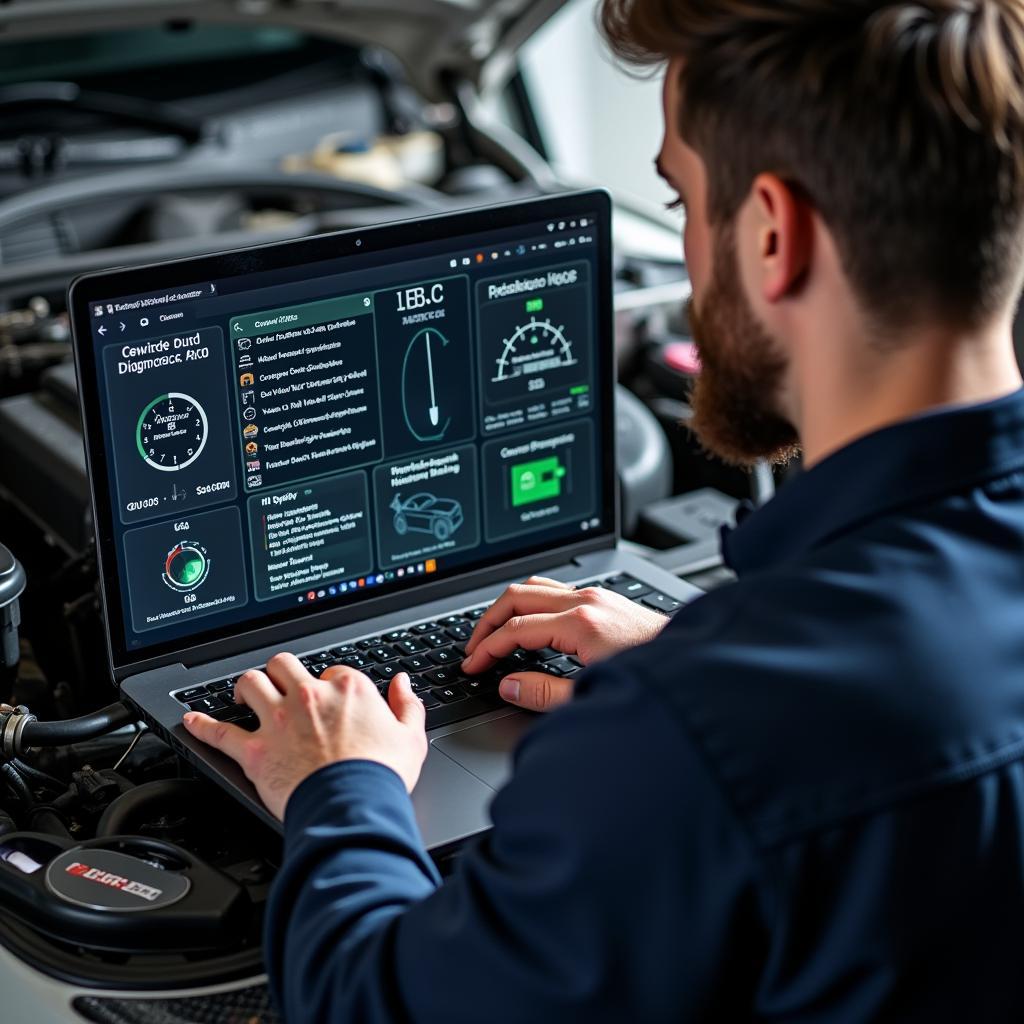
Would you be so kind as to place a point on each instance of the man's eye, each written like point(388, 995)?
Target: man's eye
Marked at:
point(674, 204)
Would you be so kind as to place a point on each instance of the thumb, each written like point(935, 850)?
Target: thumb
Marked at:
point(536, 691)
point(408, 708)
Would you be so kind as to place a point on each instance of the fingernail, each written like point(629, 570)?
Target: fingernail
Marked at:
point(509, 689)
point(189, 717)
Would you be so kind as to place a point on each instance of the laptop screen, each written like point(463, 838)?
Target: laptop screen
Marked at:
point(286, 431)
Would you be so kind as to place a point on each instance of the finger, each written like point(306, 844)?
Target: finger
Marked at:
point(536, 691)
point(531, 632)
point(544, 581)
point(285, 671)
point(255, 690)
point(408, 708)
point(521, 599)
point(336, 673)
point(223, 736)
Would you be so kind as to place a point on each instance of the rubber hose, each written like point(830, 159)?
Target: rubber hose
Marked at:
point(17, 784)
point(40, 778)
point(117, 818)
point(72, 730)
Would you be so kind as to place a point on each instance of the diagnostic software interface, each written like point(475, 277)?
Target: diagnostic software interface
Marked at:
point(303, 437)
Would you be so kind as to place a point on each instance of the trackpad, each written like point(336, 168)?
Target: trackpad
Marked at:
point(486, 749)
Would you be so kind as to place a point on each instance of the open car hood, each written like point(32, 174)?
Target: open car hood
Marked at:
point(476, 40)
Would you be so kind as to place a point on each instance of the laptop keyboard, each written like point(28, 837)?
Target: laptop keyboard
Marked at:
point(431, 652)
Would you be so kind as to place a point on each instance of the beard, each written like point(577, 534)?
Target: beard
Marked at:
point(734, 399)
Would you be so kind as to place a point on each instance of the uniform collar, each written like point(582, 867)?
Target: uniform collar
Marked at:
point(917, 459)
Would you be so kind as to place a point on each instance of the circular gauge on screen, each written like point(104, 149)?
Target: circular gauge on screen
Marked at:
point(186, 567)
point(533, 348)
point(171, 432)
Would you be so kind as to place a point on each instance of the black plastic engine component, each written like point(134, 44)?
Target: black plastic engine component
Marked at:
point(124, 894)
point(43, 453)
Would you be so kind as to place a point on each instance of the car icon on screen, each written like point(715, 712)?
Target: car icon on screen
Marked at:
point(426, 513)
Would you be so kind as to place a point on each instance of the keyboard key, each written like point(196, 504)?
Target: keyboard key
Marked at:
point(426, 627)
point(418, 684)
point(417, 663)
point(661, 602)
point(441, 677)
point(386, 672)
point(437, 639)
point(383, 653)
point(206, 704)
point(564, 666)
point(477, 613)
point(445, 656)
point(359, 661)
point(221, 684)
point(231, 713)
point(395, 634)
point(485, 684)
point(453, 620)
point(460, 632)
point(547, 654)
point(411, 646)
point(370, 641)
point(250, 723)
point(340, 652)
point(429, 700)
point(627, 586)
point(449, 694)
point(192, 693)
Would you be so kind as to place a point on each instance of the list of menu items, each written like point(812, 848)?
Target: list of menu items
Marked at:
point(310, 535)
point(308, 399)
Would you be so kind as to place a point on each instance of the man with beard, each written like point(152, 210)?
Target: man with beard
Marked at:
point(803, 798)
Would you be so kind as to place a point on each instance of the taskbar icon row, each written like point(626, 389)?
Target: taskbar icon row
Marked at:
point(347, 586)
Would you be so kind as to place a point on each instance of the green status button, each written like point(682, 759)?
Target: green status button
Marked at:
point(540, 480)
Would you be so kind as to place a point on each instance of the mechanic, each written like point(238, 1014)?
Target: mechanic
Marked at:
point(802, 799)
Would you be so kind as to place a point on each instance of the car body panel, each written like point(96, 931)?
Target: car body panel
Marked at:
point(476, 40)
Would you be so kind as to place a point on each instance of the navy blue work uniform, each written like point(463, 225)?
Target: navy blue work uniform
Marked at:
point(803, 802)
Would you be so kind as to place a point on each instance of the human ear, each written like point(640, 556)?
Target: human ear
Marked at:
point(783, 224)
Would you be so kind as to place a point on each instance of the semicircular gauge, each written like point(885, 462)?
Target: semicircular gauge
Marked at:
point(533, 348)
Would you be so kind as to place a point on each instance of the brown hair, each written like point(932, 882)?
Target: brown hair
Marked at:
point(903, 124)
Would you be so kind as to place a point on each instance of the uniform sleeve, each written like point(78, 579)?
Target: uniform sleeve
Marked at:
point(616, 884)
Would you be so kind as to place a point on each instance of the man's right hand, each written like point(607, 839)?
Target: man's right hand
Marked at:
point(592, 624)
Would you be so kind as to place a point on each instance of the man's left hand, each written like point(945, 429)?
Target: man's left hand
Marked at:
point(307, 723)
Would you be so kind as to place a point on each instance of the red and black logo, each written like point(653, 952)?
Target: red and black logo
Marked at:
point(113, 881)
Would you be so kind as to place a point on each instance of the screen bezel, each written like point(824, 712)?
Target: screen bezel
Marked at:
point(283, 625)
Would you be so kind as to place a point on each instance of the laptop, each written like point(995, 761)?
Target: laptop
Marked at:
point(346, 447)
